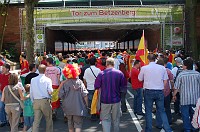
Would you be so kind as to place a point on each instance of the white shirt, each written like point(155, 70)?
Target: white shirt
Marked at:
point(174, 71)
point(90, 78)
point(153, 76)
point(40, 87)
point(117, 63)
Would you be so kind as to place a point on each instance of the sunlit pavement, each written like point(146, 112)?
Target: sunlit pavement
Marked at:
point(129, 122)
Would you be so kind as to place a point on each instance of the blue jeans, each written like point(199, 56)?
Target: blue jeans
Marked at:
point(2, 111)
point(28, 121)
point(187, 115)
point(90, 96)
point(157, 96)
point(137, 102)
point(167, 110)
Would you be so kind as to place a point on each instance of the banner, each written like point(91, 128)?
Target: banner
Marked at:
point(103, 12)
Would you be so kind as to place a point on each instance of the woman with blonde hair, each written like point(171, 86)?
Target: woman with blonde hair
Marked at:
point(12, 105)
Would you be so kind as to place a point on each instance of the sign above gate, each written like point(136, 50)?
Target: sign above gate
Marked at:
point(108, 14)
point(103, 13)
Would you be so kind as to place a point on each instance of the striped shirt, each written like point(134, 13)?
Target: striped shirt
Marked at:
point(188, 84)
point(111, 82)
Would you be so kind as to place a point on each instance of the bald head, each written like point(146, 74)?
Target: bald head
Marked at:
point(110, 62)
point(42, 69)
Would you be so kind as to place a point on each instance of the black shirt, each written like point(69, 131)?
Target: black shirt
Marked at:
point(83, 71)
point(29, 77)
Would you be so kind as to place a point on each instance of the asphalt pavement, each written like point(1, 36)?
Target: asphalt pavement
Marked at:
point(129, 121)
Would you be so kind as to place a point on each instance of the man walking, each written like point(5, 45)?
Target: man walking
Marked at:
point(175, 71)
point(167, 99)
point(40, 93)
point(3, 82)
point(53, 73)
point(111, 82)
point(138, 89)
point(89, 77)
point(188, 83)
point(154, 77)
point(32, 74)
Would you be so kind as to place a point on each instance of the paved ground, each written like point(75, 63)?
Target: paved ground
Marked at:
point(129, 122)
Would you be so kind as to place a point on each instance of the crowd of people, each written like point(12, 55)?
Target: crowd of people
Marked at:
point(94, 84)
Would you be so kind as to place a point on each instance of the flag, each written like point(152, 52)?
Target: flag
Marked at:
point(95, 106)
point(171, 59)
point(55, 101)
point(142, 52)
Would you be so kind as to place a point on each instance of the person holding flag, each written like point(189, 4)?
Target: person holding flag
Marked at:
point(53, 73)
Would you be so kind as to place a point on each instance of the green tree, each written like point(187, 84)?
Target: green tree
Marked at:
point(29, 8)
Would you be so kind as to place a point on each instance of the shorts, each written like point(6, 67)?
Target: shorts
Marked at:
point(28, 121)
point(74, 121)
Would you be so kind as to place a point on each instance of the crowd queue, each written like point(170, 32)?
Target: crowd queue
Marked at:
point(94, 84)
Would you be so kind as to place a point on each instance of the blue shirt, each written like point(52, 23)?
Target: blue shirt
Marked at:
point(111, 82)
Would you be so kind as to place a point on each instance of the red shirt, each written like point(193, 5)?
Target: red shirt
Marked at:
point(3, 81)
point(167, 87)
point(25, 65)
point(1, 63)
point(101, 67)
point(136, 84)
point(44, 62)
point(170, 58)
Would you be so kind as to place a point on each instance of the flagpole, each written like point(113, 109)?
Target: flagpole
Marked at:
point(144, 47)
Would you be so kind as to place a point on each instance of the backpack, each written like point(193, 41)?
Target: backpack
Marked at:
point(180, 69)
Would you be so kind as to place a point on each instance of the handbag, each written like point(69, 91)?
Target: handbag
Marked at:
point(196, 117)
point(20, 102)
